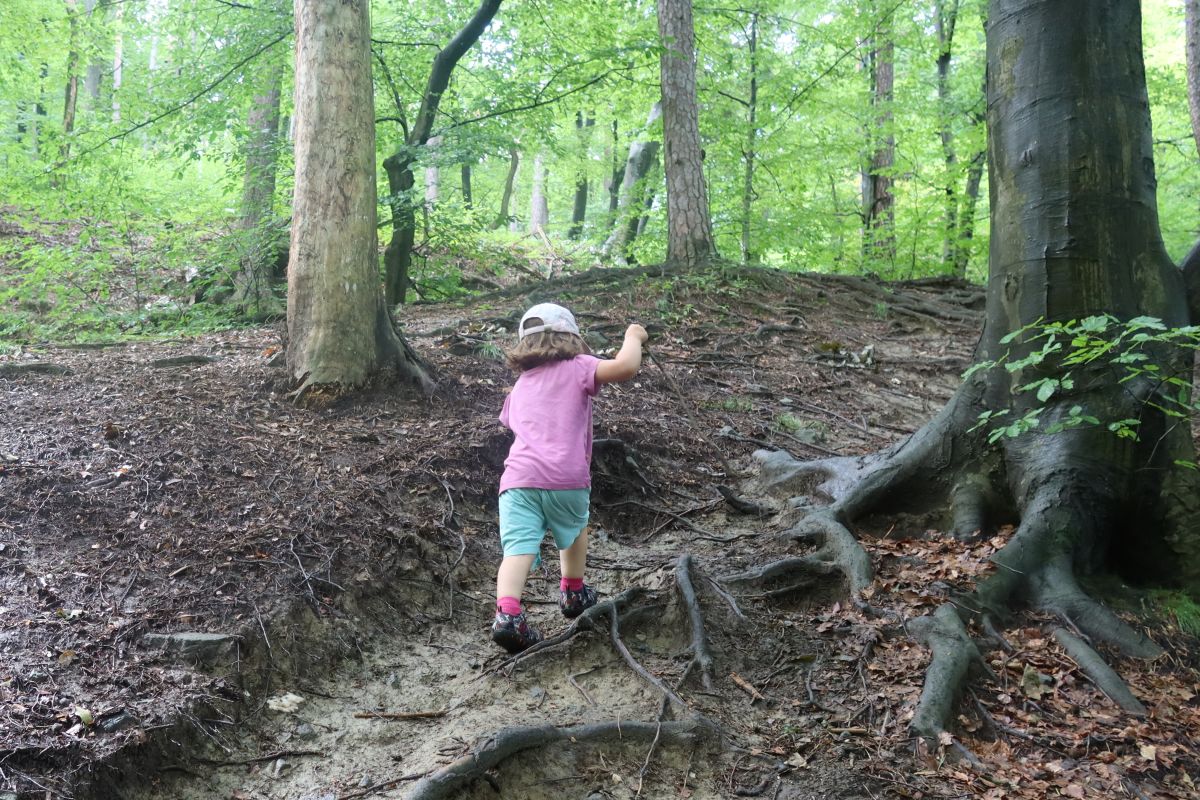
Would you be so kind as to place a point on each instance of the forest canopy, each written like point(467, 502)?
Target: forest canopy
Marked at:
point(143, 123)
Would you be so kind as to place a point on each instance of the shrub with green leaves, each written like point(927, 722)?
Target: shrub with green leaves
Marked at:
point(1060, 351)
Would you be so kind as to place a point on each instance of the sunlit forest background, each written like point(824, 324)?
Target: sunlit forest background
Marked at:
point(133, 132)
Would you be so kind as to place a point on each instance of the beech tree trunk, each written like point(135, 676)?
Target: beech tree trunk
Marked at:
point(71, 94)
point(945, 18)
point(256, 221)
point(1075, 233)
point(751, 141)
point(583, 129)
point(689, 227)
point(514, 163)
point(539, 211)
point(1192, 36)
point(397, 256)
point(642, 155)
point(339, 330)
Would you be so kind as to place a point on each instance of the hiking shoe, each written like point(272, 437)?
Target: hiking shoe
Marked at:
point(513, 632)
point(573, 602)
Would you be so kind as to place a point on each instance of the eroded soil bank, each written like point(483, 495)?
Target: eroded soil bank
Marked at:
point(350, 552)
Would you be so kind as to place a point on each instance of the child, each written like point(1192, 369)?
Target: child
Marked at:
point(547, 476)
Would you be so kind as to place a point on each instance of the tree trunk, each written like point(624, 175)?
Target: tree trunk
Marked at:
point(339, 330)
point(1192, 29)
point(539, 212)
point(118, 65)
point(583, 127)
point(256, 221)
point(1075, 234)
point(945, 18)
point(433, 174)
point(689, 227)
point(71, 95)
point(468, 201)
point(751, 141)
point(397, 256)
point(514, 162)
point(878, 212)
point(616, 174)
point(642, 155)
point(95, 69)
point(966, 215)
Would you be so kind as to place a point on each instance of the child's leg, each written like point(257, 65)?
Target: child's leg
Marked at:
point(573, 560)
point(510, 580)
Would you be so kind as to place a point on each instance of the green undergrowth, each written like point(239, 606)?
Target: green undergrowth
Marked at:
point(1155, 605)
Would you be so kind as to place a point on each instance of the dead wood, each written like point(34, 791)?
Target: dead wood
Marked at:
point(451, 780)
point(11, 370)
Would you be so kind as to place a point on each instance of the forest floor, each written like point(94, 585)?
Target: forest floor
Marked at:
point(342, 562)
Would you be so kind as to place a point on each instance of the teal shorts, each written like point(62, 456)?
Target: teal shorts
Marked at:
point(526, 515)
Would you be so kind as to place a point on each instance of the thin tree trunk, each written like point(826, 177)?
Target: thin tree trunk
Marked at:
point(397, 256)
point(946, 16)
point(878, 211)
point(514, 162)
point(71, 95)
point(433, 174)
point(468, 200)
point(689, 227)
point(95, 69)
point(616, 173)
point(118, 68)
point(966, 217)
point(339, 330)
point(253, 282)
point(751, 141)
point(583, 126)
point(539, 212)
point(1192, 29)
point(642, 155)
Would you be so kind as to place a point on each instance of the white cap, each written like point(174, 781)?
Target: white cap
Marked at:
point(553, 317)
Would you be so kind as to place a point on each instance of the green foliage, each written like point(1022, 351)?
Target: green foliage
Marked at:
point(1180, 607)
point(1122, 351)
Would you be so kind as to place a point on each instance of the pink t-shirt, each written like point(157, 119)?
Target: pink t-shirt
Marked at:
point(550, 411)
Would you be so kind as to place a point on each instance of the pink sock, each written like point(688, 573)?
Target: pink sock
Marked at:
point(572, 584)
point(509, 605)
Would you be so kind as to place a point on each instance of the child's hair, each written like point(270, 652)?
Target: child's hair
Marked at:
point(543, 347)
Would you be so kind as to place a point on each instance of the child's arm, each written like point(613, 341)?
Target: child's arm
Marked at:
point(628, 359)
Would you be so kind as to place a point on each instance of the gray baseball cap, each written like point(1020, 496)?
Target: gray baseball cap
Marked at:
point(554, 318)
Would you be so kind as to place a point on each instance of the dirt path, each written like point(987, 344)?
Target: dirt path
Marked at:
point(352, 552)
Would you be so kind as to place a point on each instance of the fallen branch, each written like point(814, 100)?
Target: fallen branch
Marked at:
point(450, 780)
point(400, 714)
point(33, 367)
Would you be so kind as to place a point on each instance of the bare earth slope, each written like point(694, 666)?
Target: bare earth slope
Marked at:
point(341, 561)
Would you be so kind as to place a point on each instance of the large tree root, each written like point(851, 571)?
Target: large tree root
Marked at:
point(1067, 489)
point(451, 780)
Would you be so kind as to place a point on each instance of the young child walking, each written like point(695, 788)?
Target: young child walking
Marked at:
point(546, 485)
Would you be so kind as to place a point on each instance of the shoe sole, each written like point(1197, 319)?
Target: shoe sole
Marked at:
point(571, 614)
point(511, 641)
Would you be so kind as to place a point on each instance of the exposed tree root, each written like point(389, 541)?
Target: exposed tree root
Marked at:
point(701, 656)
point(450, 780)
point(1099, 672)
point(954, 656)
point(584, 622)
point(1066, 489)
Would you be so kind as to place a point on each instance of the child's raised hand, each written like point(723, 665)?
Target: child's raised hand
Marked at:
point(638, 332)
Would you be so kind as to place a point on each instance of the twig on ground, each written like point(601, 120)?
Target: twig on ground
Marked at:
point(700, 652)
point(401, 714)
